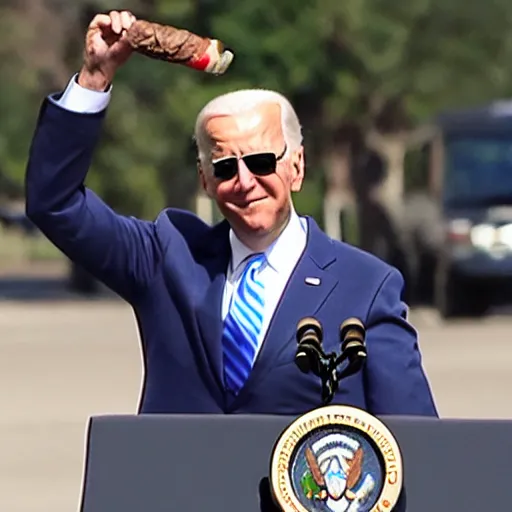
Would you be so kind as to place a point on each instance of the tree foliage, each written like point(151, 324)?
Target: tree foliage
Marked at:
point(363, 64)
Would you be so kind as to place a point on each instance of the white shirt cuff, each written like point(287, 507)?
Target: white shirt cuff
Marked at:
point(81, 100)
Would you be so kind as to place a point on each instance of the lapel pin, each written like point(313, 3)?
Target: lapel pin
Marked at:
point(313, 281)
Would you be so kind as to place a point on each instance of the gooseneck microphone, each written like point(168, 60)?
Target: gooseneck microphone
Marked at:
point(310, 356)
point(353, 348)
point(309, 350)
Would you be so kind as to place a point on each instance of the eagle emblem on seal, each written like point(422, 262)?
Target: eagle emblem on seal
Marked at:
point(334, 474)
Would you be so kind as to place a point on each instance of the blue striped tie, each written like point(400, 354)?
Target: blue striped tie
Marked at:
point(242, 326)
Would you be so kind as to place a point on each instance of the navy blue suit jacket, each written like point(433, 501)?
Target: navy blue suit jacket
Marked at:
point(172, 272)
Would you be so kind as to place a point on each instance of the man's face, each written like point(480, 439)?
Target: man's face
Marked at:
point(254, 205)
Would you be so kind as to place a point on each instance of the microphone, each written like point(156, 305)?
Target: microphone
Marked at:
point(309, 351)
point(353, 348)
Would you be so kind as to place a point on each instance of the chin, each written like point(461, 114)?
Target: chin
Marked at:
point(256, 226)
point(254, 222)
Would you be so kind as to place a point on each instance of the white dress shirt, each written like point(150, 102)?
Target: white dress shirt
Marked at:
point(281, 257)
point(83, 101)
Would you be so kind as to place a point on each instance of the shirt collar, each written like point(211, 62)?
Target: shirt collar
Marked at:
point(279, 252)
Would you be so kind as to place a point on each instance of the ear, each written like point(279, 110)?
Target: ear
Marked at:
point(298, 169)
point(204, 179)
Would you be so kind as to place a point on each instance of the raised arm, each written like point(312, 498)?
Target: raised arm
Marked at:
point(122, 252)
point(395, 380)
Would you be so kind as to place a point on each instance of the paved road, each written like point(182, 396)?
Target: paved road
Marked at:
point(56, 361)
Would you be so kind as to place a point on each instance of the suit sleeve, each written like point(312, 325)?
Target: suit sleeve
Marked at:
point(395, 381)
point(120, 251)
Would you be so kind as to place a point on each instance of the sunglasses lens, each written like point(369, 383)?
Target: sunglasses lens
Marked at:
point(261, 164)
point(225, 169)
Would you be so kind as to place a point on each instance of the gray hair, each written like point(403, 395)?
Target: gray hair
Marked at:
point(240, 101)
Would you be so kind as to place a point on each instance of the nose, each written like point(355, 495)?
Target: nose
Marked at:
point(245, 176)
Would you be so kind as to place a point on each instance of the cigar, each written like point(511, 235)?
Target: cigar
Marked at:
point(175, 45)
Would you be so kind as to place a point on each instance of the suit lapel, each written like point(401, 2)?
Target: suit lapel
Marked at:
point(211, 251)
point(209, 311)
point(209, 320)
point(302, 297)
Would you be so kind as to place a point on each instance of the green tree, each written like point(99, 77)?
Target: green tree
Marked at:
point(360, 72)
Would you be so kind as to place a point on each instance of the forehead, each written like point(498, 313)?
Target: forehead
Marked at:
point(255, 127)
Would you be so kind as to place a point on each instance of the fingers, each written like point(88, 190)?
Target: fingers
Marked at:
point(117, 26)
point(100, 21)
point(117, 21)
point(121, 21)
point(127, 19)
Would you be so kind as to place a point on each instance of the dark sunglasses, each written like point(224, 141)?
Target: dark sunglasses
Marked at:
point(260, 164)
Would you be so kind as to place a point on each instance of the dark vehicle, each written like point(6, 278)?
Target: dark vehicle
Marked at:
point(470, 174)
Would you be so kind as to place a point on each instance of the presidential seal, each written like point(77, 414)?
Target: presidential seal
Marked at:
point(336, 459)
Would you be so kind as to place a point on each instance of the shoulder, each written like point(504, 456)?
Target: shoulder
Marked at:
point(362, 272)
point(382, 284)
point(183, 220)
point(191, 229)
point(365, 274)
point(361, 262)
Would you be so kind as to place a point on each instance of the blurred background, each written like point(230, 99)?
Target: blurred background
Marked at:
point(407, 123)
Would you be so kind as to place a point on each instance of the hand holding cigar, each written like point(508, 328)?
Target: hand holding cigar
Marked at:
point(112, 38)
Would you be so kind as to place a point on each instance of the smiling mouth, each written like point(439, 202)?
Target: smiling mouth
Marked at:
point(246, 204)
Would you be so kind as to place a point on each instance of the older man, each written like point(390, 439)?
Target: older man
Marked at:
point(217, 307)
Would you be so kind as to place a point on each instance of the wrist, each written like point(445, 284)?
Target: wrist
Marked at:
point(94, 80)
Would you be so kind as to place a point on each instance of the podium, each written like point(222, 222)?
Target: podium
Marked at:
point(198, 463)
